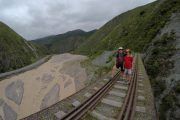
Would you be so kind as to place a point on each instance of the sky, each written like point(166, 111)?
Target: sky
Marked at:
point(34, 19)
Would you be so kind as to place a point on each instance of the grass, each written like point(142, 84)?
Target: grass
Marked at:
point(15, 51)
point(134, 29)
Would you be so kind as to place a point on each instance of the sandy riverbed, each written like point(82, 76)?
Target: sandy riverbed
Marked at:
point(28, 92)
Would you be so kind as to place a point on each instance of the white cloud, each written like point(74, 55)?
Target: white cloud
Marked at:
point(37, 18)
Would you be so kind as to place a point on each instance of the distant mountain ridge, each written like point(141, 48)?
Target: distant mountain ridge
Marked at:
point(65, 42)
point(134, 29)
point(15, 51)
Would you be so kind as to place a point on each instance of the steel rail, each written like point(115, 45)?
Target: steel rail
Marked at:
point(128, 108)
point(90, 103)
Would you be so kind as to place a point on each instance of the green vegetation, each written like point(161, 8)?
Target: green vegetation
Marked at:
point(167, 102)
point(158, 64)
point(134, 29)
point(177, 88)
point(64, 42)
point(15, 51)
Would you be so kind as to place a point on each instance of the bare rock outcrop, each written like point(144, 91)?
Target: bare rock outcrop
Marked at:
point(14, 91)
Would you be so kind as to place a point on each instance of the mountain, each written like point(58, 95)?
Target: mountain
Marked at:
point(153, 30)
point(134, 29)
point(64, 42)
point(15, 51)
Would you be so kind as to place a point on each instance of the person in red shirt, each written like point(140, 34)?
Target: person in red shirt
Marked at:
point(128, 60)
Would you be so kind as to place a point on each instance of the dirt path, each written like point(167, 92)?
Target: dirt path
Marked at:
point(28, 92)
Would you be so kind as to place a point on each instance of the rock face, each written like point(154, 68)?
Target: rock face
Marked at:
point(171, 80)
point(14, 91)
point(102, 59)
point(74, 70)
point(177, 114)
point(9, 113)
point(51, 97)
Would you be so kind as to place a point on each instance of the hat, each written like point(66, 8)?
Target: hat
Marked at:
point(120, 48)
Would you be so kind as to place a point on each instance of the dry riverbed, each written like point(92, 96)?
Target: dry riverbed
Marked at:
point(31, 91)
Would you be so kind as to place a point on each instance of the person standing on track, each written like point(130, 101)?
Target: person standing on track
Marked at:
point(119, 61)
point(128, 60)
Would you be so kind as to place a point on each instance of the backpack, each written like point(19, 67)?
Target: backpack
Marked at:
point(119, 58)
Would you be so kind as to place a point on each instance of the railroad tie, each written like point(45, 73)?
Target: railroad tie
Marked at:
point(106, 79)
point(140, 85)
point(59, 114)
point(140, 91)
point(140, 109)
point(100, 116)
point(121, 82)
point(111, 102)
point(120, 87)
point(141, 98)
point(119, 94)
point(140, 74)
point(140, 80)
point(76, 103)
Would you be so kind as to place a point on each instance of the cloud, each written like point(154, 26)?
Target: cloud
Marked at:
point(38, 18)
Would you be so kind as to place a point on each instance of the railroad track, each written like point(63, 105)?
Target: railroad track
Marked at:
point(115, 100)
point(111, 99)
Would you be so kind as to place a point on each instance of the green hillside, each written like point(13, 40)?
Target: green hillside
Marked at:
point(134, 29)
point(64, 42)
point(15, 51)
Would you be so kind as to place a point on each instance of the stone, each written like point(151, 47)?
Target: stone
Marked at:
point(47, 78)
point(9, 113)
point(51, 97)
point(14, 91)
point(60, 114)
point(87, 95)
point(67, 83)
point(95, 88)
point(177, 114)
point(76, 103)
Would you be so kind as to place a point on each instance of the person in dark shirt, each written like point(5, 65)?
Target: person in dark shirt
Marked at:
point(119, 61)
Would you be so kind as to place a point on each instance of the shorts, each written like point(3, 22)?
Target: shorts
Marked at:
point(128, 71)
point(120, 66)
